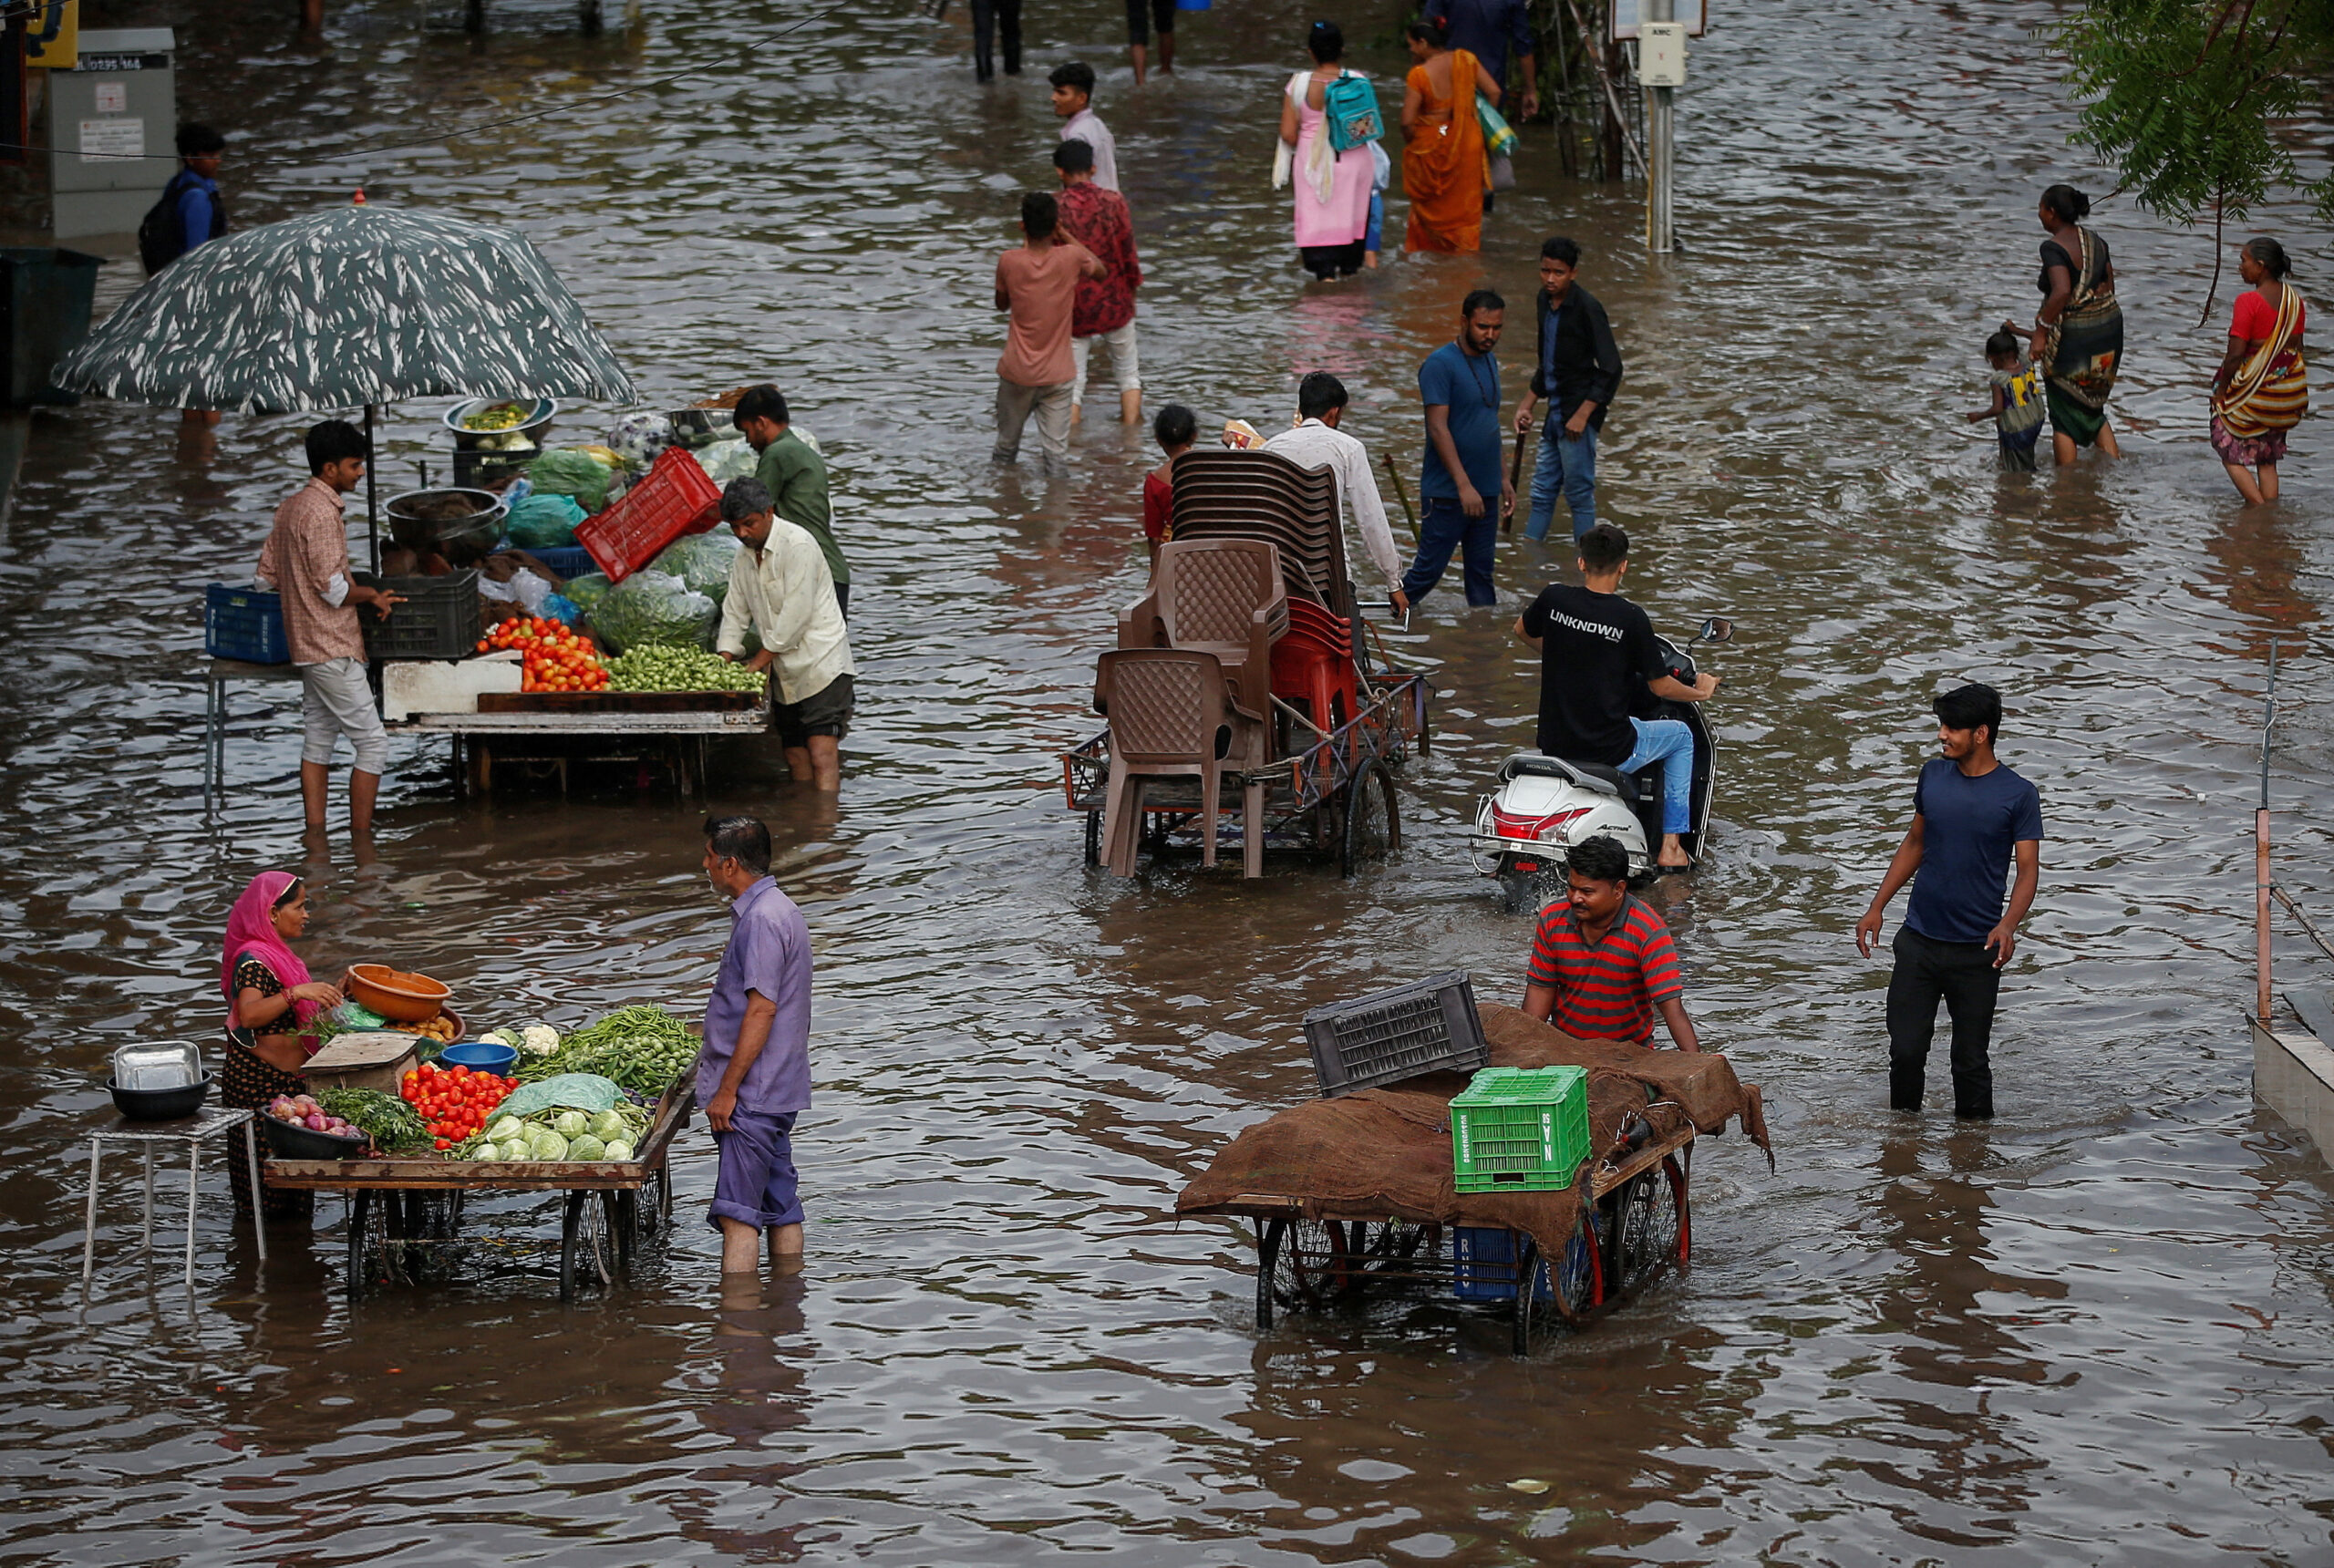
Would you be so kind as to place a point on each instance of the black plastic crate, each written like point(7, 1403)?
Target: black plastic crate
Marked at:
point(439, 619)
point(1429, 1025)
point(245, 623)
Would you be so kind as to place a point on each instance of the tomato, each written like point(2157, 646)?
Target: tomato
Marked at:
point(444, 1144)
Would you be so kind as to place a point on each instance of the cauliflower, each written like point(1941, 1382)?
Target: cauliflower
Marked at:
point(537, 1039)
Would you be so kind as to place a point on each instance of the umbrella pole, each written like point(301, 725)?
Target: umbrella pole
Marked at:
point(372, 496)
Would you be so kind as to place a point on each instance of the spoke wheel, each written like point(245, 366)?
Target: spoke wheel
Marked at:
point(1300, 1264)
point(1546, 1296)
point(584, 1252)
point(365, 1226)
point(1373, 827)
point(1094, 837)
point(1652, 1228)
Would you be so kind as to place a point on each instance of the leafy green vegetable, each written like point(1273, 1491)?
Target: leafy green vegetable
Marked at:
point(393, 1126)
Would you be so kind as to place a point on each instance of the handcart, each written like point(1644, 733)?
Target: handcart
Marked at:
point(405, 1214)
point(1367, 1188)
point(1248, 685)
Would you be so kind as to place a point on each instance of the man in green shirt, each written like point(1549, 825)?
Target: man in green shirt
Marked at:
point(795, 476)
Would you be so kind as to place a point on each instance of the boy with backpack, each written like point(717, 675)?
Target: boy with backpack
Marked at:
point(190, 210)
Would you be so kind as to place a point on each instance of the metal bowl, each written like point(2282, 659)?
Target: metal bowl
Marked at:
point(703, 421)
point(160, 1104)
point(540, 412)
point(479, 530)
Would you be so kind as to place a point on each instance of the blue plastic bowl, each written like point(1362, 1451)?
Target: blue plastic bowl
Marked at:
point(479, 1056)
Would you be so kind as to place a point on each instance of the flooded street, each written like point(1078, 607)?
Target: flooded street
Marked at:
point(2094, 1331)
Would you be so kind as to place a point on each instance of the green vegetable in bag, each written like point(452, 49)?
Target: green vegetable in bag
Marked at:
point(544, 522)
point(656, 609)
point(564, 471)
point(588, 590)
point(702, 561)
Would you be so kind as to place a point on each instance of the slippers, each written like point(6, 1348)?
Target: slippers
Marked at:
point(1673, 871)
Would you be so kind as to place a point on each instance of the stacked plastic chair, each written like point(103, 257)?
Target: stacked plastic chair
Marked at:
point(1263, 496)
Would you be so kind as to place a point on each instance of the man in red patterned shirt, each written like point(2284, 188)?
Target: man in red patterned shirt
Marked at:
point(1099, 221)
point(1602, 961)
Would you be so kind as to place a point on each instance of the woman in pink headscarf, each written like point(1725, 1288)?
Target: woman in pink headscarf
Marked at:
point(268, 991)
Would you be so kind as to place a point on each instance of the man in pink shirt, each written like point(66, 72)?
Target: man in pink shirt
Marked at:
point(306, 560)
point(1037, 285)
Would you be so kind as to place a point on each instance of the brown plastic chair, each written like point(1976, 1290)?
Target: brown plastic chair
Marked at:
point(1220, 596)
point(1263, 496)
point(1169, 719)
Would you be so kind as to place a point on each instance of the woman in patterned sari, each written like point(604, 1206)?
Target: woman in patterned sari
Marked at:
point(2078, 337)
point(2262, 388)
point(1444, 170)
point(268, 998)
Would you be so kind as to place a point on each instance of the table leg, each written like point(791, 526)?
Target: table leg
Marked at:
point(146, 1238)
point(89, 1223)
point(193, 1165)
point(251, 1157)
point(210, 735)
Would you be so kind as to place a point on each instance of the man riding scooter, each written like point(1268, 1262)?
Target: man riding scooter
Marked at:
point(1600, 666)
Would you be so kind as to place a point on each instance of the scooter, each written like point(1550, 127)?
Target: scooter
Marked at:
point(1544, 805)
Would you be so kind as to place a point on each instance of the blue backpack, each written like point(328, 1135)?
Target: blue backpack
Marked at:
point(1350, 104)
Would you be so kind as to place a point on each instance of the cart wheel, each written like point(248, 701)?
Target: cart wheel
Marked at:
point(1373, 830)
point(1299, 1264)
point(361, 1221)
point(433, 1220)
point(1652, 1229)
point(1094, 837)
point(584, 1246)
point(615, 1214)
point(1565, 1294)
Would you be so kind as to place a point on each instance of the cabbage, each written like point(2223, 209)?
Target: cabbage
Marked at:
point(548, 1146)
point(656, 609)
point(486, 1151)
point(618, 1150)
point(610, 1125)
point(505, 1128)
point(515, 1149)
point(568, 1123)
point(587, 1148)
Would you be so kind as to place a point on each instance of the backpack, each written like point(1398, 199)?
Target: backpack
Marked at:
point(1349, 104)
point(160, 236)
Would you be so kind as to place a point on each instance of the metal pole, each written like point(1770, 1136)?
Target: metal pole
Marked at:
point(372, 496)
point(2261, 844)
point(1661, 149)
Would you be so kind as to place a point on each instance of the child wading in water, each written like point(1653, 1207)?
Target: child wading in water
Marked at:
point(1175, 429)
point(2017, 406)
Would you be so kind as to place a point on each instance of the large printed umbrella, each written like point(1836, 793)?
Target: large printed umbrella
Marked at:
point(358, 306)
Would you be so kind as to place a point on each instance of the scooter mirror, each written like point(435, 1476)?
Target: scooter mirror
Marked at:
point(1717, 629)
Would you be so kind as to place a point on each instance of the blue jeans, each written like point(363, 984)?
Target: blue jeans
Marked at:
point(1372, 239)
point(1668, 742)
point(1567, 465)
point(1444, 529)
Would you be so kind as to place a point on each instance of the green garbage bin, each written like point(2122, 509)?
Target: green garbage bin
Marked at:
point(46, 294)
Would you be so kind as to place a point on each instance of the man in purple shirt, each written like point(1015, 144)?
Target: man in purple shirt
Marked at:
point(753, 1075)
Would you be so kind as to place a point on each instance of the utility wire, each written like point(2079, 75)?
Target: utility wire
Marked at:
point(719, 61)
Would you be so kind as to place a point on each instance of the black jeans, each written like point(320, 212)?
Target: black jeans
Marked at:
point(1962, 975)
point(1005, 16)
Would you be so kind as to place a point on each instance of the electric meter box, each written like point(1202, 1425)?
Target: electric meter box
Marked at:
point(1661, 54)
point(113, 121)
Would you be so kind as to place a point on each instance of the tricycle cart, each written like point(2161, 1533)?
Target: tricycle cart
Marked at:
point(1245, 682)
point(405, 1214)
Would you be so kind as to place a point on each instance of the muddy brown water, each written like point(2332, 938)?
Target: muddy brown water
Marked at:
point(2092, 1332)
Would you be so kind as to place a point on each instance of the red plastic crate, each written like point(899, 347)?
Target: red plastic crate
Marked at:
point(674, 498)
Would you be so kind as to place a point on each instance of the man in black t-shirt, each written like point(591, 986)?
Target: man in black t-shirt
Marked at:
point(1599, 670)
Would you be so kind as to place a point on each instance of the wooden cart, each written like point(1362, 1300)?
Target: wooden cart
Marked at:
point(544, 731)
point(1635, 1225)
point(404, 1214)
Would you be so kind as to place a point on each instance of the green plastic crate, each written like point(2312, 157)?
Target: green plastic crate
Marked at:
point(1519, 1130)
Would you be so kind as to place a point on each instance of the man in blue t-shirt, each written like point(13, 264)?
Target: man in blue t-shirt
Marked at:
point(1459, 384)
point(1971, 818)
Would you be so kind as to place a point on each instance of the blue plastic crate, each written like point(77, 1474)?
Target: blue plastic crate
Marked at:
point(568, 561)
point(1483, 1265)
point(244, 623)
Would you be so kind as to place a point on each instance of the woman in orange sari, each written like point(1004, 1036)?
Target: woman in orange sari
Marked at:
point(1444, 169)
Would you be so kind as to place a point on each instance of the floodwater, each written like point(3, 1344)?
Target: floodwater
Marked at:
point(2095, 1331)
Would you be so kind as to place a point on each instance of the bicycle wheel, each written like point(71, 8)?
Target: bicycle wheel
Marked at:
point(1300, 1263)
point(584, 1249)
point(1652, 1228)
point(1373, 827)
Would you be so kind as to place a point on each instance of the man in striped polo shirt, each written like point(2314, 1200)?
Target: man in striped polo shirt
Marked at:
point(1602, 962)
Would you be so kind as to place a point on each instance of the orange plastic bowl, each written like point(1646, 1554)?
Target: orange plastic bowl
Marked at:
point(397, 996)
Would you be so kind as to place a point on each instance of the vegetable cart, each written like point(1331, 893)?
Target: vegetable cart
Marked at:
point(553, 728)
point(405, 1214)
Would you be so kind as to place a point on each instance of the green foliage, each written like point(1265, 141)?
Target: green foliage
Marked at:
point(2180, 94)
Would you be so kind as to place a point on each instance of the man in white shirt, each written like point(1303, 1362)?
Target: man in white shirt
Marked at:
point(780, 586)
point(1073, 85)
point(1317, 442)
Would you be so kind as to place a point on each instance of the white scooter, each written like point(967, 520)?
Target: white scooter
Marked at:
point(1524, 834)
